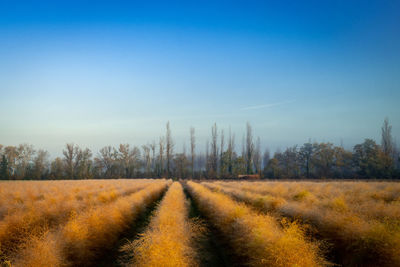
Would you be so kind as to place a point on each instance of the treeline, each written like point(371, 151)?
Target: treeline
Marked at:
point(220, 160)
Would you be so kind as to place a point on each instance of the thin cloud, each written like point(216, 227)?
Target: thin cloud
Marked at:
point(267, 105)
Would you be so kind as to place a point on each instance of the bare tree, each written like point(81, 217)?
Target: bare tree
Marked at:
point(387, 140)
point(125, 159)
point(161, 156)
point(257, 156)
point(207, 159)
point(83, 164)
point(249, 149)
point(221, 153)
point(192, 148)
point(57, 169)
point(25, 154)
point(106, 159)
point(153, 156)
point(231, 149)
point(169, 150)
point(147, 158)
point(214, 150)
point(40, 164)
point(70, 153)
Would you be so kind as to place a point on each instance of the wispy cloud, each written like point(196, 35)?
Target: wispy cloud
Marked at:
point(267, 105)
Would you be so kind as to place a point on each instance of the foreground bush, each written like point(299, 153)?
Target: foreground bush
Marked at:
point(257, 237)
point(355, 240)
point(88, 234)
point(169, 238)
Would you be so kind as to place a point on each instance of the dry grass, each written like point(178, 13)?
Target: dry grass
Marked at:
point(20, 229)
point(169, 239)
point(349, 218)
point(73, 223)
point(257, 237)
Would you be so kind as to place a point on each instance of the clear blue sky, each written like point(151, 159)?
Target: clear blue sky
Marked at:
point(109, 72)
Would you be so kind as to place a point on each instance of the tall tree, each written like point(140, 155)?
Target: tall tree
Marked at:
point(25, 154)
point(40, 164)
point(153, 157)
point(257, 156)
point(169, 150)
point(230, 151)
point(306, 154)
point(192, 149)
point(106, 161)
point(70, 154)
point(161, 146)
point(249, 149)
point(387, 139)
point(125, 159)
point(147, 159)
point(214, 151)
point(221, 153)
point(57, 169)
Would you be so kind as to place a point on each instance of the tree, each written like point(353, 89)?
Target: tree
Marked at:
point(371, 161)
point(221, 152)
point(125, 158)
point(25, 154)
point(289, 162)
point(69, 158)
point(306, 154)
point(323, 159)
point(106, 161)
point(192, 149)
point(230, 152)
point(4, 174)
point(214, 151)
point(153, 157)
point(387, 139)
point(249, 149)
point(266, 159)
point(272, 170)
point(181, 163)
point(11, 154)
point(257, 157)
point(161, 146)
point(169, 150)
point(57, 169)
point(40, 165)
point(147, 158)
point(83, 164)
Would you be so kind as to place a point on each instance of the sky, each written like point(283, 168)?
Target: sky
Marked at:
point(100, 73)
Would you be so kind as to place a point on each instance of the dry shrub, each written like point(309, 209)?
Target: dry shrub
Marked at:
point(257, 237)
point(362, 230)
point(168, 239)
point(23, 231)
point(90, 233)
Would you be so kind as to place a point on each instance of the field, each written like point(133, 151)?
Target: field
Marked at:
point(149, 222)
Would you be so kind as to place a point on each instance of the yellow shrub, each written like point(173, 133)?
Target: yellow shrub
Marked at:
point(168, 240)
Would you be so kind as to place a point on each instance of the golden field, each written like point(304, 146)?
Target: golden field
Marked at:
point(150, 222)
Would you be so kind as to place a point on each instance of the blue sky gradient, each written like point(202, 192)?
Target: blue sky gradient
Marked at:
point(109, 72)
